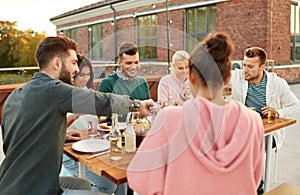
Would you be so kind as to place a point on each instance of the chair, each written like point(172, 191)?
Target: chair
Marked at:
point(236, 65)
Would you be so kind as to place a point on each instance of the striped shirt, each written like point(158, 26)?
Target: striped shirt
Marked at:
point(256, 95)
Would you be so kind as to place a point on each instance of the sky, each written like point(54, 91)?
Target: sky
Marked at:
point(36, 14)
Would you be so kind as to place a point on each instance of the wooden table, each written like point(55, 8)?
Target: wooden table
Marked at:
point(269, 130)
point(116, 170)
point(102, 165)
point(285, 189)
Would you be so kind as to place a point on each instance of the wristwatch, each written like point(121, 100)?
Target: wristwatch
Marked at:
point(134, 105)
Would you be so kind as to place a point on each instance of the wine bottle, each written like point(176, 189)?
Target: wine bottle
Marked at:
point(115, 139)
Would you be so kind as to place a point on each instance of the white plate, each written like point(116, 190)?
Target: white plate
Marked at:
point(91, 145)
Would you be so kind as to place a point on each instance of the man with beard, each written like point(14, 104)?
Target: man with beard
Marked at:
point(254, 86)
point(34, 120)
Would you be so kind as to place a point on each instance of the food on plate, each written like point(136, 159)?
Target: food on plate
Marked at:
point(105, 126)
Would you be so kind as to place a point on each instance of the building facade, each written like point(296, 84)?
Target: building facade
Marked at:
point(160, 27)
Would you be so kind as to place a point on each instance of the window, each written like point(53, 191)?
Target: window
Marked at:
point(146, 37)
point(199, 23)
point(295, 34)
point(295, 48)
point(72, 34)
point(96, 42)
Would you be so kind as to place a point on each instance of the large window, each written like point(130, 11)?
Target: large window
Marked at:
point(72, 34)
point(295, 34)
point(96, 42)
point(147, 37)
point(199, 23)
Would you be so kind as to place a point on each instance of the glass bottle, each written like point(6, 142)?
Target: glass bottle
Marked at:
point(129, 134)
point(115, 139)
point(272, 112)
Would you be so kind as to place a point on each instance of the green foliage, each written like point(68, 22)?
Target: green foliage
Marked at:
point(15, 77)
point(17, 48)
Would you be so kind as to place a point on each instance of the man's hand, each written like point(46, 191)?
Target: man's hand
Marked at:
point(266, 109)
point(145, 107)
point(73, 135)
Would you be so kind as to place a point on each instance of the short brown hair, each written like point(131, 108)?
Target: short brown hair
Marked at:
point(52, 47)
point(127, 48)
point(256, 51)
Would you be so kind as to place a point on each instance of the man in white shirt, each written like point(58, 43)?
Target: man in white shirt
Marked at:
point(254, 86)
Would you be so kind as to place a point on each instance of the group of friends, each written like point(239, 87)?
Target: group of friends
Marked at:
point(213, 142)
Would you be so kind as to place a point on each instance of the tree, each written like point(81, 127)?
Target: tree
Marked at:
point(17, 47)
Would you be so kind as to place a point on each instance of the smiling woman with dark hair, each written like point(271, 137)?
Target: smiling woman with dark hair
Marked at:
point(85, 76)
point(207, 142)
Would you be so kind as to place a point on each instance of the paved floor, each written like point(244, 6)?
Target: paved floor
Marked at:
point(289, 155)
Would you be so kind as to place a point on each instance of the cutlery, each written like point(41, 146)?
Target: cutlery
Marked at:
point(98, 154)
point(68, 144)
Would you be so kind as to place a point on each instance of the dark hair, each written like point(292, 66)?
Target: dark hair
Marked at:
point(210, 59)
point(256, 51)
point(127, 48)
point(52, 47)
point(82, 62)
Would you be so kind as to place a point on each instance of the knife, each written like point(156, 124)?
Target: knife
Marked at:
point(98, 154)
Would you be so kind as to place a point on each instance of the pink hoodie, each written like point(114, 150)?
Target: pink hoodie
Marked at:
point(200, 148)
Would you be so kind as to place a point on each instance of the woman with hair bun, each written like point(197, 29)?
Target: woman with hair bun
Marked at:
point(207, 146)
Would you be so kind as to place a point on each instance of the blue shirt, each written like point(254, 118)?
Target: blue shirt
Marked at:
point(256, 95)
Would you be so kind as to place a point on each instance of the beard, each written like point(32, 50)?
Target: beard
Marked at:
point(65, 76)
point(251, 78)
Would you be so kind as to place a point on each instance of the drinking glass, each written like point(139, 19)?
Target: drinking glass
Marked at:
point(92, 128)
point(140, 133)
point(153, 110)
point(135, 115)
point(227, 92)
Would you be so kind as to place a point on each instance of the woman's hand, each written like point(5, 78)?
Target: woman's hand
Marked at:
point(73, 135)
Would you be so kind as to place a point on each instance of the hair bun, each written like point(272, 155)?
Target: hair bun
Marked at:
point(219, 45)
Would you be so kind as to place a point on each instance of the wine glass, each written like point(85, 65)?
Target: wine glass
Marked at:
point(154, 109)
point(92, 128)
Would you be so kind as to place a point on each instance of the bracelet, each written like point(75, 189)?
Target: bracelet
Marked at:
point(134, 105)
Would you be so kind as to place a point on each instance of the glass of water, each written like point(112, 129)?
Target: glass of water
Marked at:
point(92, 128)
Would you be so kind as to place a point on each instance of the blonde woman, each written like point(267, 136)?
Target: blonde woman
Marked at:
point(173, 89)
